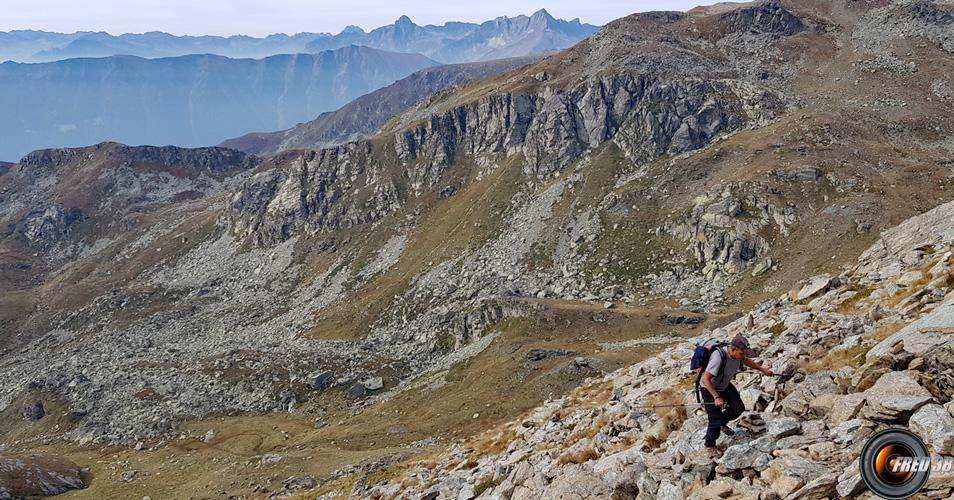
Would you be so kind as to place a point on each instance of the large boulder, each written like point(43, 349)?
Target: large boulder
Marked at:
point(851, 431)
point(932, 423)
point(788, 474)
point(817, 285)
point(781, 427)
point(894, 409)
point(319, 380)
point(894, 397)
point(743, 456)
point(845, 408)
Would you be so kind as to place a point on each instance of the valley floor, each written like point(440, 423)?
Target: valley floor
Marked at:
point(527, 361)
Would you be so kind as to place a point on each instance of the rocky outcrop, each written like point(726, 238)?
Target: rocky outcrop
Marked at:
point(38, 476)
point(353, 183)
point(313, 191)
point(769, 17)
point(552, 128)
point(45, 228)
point(724, 230)
point(52, 191)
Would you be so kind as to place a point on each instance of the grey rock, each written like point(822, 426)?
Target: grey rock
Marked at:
point(931, 423)
point(783, 427)
point(743, 456)
point(373, 383)
point(820, 487)
point(357, 390)
point(300, 483)
point(47, 476)
point(815, 287)
point(34, 412)
point(754, 399)
point(894, 408)
point(848, 431)
point(850, 482)
point(320, 380)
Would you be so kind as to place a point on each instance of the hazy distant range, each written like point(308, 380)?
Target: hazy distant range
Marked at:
point(101, 92)
point(187, 101)
point(452, 42)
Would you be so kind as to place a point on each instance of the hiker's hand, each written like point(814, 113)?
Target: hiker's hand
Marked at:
point(768, 373)
point(720, 402)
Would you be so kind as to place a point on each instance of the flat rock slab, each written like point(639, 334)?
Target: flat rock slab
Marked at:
point(32, 475)
point(919, 337)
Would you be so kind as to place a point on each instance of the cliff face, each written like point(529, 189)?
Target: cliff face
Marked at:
point(316, 190)
point(551, 129)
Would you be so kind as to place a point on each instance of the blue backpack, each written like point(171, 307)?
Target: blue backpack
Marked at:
point(700, 359)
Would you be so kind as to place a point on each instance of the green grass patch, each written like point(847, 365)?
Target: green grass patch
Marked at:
point(861, 292)
point(483, 486)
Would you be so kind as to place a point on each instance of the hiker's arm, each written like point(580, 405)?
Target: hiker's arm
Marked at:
point(707, 383)
point(751, 363)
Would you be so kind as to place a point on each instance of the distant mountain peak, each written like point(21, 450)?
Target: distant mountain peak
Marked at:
point(542, 17)
point(352, 29)
point(404, 21)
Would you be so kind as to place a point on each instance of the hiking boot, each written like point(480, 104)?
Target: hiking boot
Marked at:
point(727, 431)
point(713, 452)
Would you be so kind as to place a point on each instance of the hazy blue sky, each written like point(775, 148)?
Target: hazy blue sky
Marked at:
point(262, 17)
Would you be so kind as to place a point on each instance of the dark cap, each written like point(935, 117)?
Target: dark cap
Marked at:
point(740, 342)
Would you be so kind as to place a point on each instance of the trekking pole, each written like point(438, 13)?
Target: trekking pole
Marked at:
point(687, 405)
point(785, 377)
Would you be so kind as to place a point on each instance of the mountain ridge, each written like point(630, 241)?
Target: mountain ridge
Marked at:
point(20, 44)
point(366, 114)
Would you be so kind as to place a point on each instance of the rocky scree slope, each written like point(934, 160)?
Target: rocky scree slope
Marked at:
point(703, 157)
point(872, 348)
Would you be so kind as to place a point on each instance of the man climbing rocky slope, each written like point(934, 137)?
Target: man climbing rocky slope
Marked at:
point(872, 347)
point(671, 169)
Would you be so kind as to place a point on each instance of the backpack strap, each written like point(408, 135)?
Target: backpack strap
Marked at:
point(723, 357)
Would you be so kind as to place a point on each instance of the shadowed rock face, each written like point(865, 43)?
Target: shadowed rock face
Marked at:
point(770, 17)
point(38, 476)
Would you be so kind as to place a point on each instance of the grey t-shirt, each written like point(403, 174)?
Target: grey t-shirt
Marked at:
point(721, 381)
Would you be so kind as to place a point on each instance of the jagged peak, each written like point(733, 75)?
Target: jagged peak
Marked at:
point(542, 16)
point(353, 29)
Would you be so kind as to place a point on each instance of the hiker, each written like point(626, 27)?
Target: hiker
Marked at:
point(724, 403)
